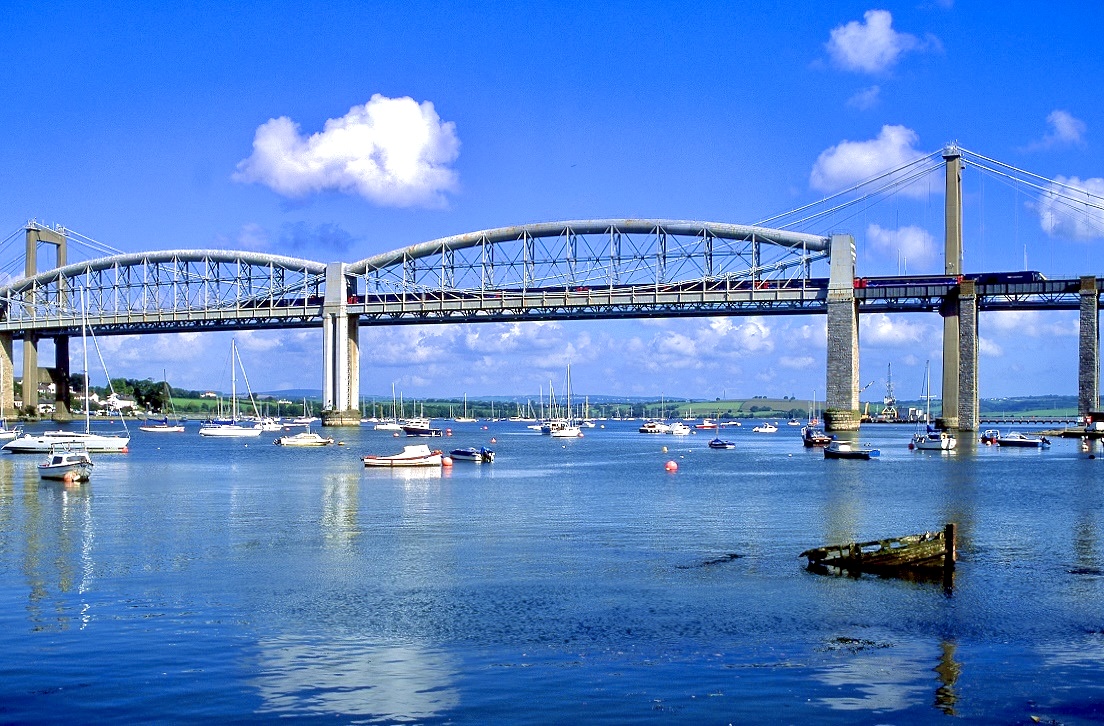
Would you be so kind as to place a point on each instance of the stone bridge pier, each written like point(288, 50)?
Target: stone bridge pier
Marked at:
point(841, 412)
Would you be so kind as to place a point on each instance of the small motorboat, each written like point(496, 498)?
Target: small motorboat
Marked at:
point(414, 455)
point(481, 455)
point(654, 427)
point(420, 427)
point(679, 429)
point(706, 424)
point(793, 422)
point(68, 463)
point(719, 443)
point(844, 450)
point(811, 436)
point(1017, 439)
point(303, 438)
point(766, 428)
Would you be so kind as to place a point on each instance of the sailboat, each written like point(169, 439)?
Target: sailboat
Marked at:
point(233, 428)
point(104, 443)
point(163, 426)
point(569, 430)
point(390, 424)
point(929, 439)
point(466, 418)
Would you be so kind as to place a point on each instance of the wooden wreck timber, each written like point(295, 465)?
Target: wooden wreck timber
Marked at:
point(926, 551)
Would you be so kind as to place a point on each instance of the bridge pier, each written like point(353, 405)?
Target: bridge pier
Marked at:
point(1088, 350)
point(60, 378)
point(968, 409)
point(952, 343)
point(841, 411)
point(7, 378)
point(30, 371)
point(340, 353)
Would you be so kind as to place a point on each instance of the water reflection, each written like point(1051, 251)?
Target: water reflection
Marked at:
point(339, 509)
point(299, 676)
point(878, 676)
point(946, 696)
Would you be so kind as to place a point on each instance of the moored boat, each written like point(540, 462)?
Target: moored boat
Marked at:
point(1017, 439)
point(482, 455)
point(161, 427)
point(720, 443)
point(765, 428)
point(412, 455)
point(811, 436)
point(303, 438)
point(42, 443)
point(68, 463)
point(679, 429)
point(844, 450)
point(420, 427)
point(654, 427)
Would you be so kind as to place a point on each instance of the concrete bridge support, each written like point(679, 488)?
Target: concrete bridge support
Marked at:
point(1088, 349)
point(841, 411)
point(340, 353)
point(952, 266)
point(59, 374)
point(968, 410)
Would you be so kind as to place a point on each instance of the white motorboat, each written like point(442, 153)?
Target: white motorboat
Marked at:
point(1019, 440)
point(66, 463)
point(679, 429)
point(413, 455)
point(303, 438)
point(234, 428)
point(654, 427)
point(766, 428)
point(844, 450)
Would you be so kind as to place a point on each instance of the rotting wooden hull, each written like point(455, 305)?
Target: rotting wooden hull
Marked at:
point(928, 550)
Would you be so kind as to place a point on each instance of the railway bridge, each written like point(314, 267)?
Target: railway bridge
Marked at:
point(572, 270)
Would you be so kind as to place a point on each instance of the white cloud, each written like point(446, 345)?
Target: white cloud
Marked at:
point(872, 46)
point(1073, 214)
point(989, 348)
point(1033, 323)
point(391, 151)
point(1065, 130)
point(849, 162)
point(916, 245)
point(865, 99)
point(891, 330)
point(802, 362)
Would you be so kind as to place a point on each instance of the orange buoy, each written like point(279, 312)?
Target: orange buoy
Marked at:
point(493, 439)
point(446, 461)
point(448, 432)
point(671, 466)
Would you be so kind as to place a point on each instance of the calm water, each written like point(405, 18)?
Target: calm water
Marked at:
point(568, 582)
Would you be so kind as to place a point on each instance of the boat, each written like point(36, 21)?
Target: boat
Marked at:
point(235, 427)
point(161, 427)
point(419, 427)
point(570, 430)
point(706, 424)
point(793, 422)
point(1019, 440)
point(66, 462)
point(102, 443)
point(893, 555)
point(303, 438)
point(479, 456)
point(929, 439)
point(719, 443)
point(765, 428)
point(679, 429)
point(412, 455)
point(843, 450)
point(812, 436)
point(654, 427)
point(465, 418)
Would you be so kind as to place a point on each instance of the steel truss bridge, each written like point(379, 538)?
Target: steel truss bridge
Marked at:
point(594, 269)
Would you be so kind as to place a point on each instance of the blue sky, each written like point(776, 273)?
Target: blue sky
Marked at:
point(136, 126)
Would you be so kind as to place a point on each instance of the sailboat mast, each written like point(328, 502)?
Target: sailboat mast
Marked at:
point(84, 347)
point(233, 380)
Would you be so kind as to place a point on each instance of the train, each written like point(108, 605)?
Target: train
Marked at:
point(981, 278)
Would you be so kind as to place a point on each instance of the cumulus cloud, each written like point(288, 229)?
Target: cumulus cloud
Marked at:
point(390, 151)
point(1065, 130)
point(1033, 323)
point(849, 162)
point(989, 348)
point(801, 362)
point(913, 244)
point(865, 99)
point(892, 330)
point(1076, 213)
point(872, 45)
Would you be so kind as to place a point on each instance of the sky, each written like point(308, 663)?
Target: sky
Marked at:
point(334, 133)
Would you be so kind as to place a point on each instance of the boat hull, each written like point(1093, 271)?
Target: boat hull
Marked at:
point(411, 456)
point(43, 443)
point(230, 431)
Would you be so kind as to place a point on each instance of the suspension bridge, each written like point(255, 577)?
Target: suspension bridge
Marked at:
point(572, 270)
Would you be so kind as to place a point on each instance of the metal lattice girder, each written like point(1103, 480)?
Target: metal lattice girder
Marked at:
point(168, 290)
point(605, 253)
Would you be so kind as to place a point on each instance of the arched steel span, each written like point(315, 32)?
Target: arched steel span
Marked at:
point(168, 290)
